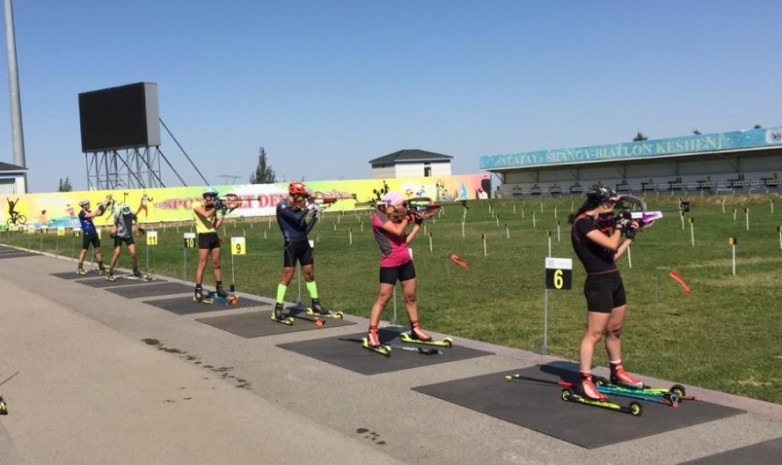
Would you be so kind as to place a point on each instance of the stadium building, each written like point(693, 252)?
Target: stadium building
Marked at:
point(729, 162)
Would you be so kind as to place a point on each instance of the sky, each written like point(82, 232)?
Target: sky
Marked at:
point(326, 86)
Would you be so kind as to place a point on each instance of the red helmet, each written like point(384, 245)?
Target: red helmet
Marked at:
point(297, 188)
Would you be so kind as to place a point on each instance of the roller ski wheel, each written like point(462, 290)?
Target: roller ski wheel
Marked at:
point(3, 406)
point(328, 314)
point(384, 350)
point(445, 342)
point(634, 408)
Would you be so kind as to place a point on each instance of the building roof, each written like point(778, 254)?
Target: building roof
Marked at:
point(10, 167)
point(409, 155)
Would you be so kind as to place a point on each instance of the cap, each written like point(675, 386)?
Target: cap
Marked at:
point(125, 210)
point(83, 202)
point(601, 193)
point(393, 198)
point(210, 191)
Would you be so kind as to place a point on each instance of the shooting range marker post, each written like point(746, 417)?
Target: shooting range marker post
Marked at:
point(151, 242)
point(559, 276)
point(692, 230)
point(238, 247)
point(779, 230)
point(746, 215)
point(732, 241)
point(190, 243)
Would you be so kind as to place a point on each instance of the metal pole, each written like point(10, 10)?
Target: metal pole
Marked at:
point(544, 348)
point(13, 91)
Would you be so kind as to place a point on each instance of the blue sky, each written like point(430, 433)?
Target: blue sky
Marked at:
point(325, 86)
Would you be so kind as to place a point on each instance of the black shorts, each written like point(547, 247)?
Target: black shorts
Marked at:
point(118, 241)
point(208, 241)
point(390, 275)
point(604, 292)
point(90, 238)
point(299, 250)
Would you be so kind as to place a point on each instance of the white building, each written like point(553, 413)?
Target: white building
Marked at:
point(12, 179)
point(411, 164)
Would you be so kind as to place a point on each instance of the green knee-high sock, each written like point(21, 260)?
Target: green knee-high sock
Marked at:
point(312, 288)
point(281, 288)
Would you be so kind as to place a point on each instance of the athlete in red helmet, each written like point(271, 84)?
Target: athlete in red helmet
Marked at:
point(295, 224)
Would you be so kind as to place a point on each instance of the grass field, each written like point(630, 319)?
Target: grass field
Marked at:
point(724, 336)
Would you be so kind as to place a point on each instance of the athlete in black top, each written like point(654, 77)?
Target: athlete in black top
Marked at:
point(292, 217)
point(598, 251)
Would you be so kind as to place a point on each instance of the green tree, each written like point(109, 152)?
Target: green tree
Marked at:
point(696, 132)
point(65, 186)
point(264, 174)
point(639, 137)
point(757, 126)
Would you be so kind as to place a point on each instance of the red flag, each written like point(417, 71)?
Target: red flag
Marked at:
point(459, 261)
point(675, 275)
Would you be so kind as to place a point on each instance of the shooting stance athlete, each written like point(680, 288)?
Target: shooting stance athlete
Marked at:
point(389, 224)
point(207, 223)
point(122, 232)
point(604, 291)
point(89, 235)
point(292, 219)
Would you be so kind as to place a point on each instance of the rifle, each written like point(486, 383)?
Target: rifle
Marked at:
point(624, 213)
point(228, 203)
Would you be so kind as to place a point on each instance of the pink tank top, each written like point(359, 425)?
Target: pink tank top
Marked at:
point(393, 248)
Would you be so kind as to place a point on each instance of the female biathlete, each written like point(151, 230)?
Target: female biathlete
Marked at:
point(604, 291)
point(389, 224)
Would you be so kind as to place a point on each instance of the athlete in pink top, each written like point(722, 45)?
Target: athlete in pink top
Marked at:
point(389, 225)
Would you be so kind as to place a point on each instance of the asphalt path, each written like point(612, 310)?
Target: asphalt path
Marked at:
point(92, 377)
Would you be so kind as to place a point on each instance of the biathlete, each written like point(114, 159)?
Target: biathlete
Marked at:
point(122, 232)
point(605, 294)
point(389, 224)
point(292, 218)
point(89, 234)
point(207, 223)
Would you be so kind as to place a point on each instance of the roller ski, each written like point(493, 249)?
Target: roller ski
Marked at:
point(372, 343)
point(201, 297)
point(3, 406)
point(676, 392)
point(570, 395)
point(418, 336)
point(317, 310)
point(220, 296)
point(278, 317)
point(665, 398)
point(140, 276)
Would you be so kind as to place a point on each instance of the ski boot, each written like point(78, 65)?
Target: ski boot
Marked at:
point(620, 377)
point(201, 297)
point(111, 276)
point(141, 276)
point(317, 310)
point(278, 316)
point(589, 390)
point(101, 269)
point(3, 406)
point(80, 270)
point(372, 343)
point(220, 292)
point(419, 336)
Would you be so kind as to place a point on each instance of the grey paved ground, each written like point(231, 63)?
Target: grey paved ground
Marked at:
point(86, 388)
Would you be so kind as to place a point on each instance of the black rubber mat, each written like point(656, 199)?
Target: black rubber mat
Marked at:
point(185, 305)
point(73, 275)
point(16, 254)
point(346, 352)
point(259, 324)
point(534, 402)
point(99, 281)
point(152, 289)
point(763, 453)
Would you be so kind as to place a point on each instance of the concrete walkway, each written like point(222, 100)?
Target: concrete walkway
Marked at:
point(85, 388)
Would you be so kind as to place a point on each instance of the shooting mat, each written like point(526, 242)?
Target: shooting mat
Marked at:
point(346, 352)
point(258, 324)
point(100, 281)
point(152, 289)
point(534, 402)
point(763, 453)
point(185, 305)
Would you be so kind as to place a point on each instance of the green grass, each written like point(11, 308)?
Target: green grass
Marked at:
point(724, 336)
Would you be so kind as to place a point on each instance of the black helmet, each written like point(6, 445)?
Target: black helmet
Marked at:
point(601, 194)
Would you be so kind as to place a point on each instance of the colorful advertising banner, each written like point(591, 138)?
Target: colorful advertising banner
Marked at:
point(61, 209)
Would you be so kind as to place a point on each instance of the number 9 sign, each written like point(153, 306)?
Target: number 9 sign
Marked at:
point(559, 273)
point(238, 246)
